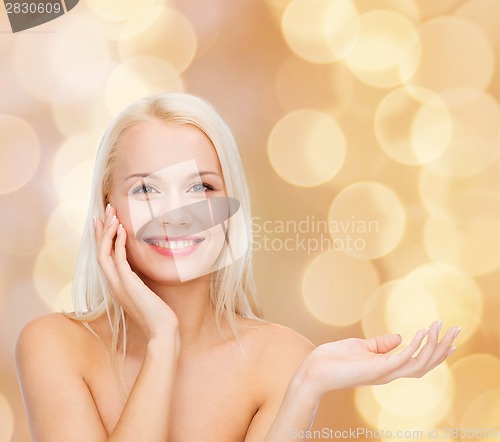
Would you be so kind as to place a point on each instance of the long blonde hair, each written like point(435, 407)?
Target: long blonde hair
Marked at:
point(232, 289)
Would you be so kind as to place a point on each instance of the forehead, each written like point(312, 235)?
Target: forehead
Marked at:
point(154, 145)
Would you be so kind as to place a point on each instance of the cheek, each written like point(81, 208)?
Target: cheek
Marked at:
point(138, 215)
point(125, 216)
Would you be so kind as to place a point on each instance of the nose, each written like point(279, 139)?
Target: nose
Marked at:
point(180, 216)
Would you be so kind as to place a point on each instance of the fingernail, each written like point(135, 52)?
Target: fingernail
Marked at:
point(108, 208)
point(120, 227)
point(451, 350)
point(426, 331)
point(440, 324)
point(113, 219)
point(459, 329)
point(94, 221)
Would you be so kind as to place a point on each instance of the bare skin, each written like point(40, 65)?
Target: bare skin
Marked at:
point(183, 381)
point(218, 390)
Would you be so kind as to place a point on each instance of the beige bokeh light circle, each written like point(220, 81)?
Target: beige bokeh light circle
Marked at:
point(73, 204)
point(457, 296)
point(335, 287)
point(320, 31)
point(73, 151)
point(53, 269)
point(71, 64)
point(31, 66)
point(407, 8)
point(160, 32)
point(482, 14)
point(387, 51)
point(483, 369)
point(137, 78)
point(21, 226)
point(475, 139)
point(119, 11)
point(423, 409)
point(367, 405)
point(20, 153)
point(472, 247)
point(67, 218)
point(413, 125)
point(6, 419)
point(469, 200)
point(81, 58)
point(306, 147)
point(431, 395)
point(71, 174)
point(91, 116)
point(400, 306)
point(455, 54)
point(483, 413)
point(63, 301)
point(368, 215)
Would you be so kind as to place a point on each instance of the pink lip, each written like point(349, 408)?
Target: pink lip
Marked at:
point(174, 252)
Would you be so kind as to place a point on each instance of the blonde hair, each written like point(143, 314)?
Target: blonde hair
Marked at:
point(232, 289)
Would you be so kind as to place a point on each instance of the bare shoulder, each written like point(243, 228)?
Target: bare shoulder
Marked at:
point(277, 338)
point(51, 360)
point(52, 334)
point(53, 324)
point(279, 350)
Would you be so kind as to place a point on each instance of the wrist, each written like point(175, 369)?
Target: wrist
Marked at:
point(307, 382)
point(305, 385)
point(164, 340)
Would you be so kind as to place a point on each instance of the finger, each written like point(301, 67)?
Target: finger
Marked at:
point(110, 216)
point(385, 343)
point(405, 355)
point(120, 257)
point(428, 350)
point(397, 365)
point(444, 347)
point(413, 368)
point(108, 235)
point(105, 247)
point(401, 364)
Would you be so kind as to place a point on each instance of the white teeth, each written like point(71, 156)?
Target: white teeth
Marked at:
point(174, 245)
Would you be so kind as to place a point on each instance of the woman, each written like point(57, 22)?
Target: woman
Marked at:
point(166, 342)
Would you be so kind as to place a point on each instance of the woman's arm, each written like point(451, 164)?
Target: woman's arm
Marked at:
point(146, 413)
point(59, 404)
point(50, 360)
point(349, 363)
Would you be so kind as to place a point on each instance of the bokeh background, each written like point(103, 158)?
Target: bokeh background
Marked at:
point(369, 132)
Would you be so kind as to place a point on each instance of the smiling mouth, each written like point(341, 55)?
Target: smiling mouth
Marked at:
point(173, 244)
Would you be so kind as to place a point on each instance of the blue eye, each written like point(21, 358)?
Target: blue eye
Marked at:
point(201, 187)
point(144, 189)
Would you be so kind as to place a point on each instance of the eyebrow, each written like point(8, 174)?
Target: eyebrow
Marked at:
point(154, 176)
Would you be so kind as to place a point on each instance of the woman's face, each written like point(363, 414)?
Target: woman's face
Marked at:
point(163, 184)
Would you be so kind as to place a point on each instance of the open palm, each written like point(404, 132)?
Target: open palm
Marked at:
point(354, 362)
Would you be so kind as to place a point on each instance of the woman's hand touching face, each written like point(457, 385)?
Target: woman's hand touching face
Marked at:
point(355, 362)
point(153, 316)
